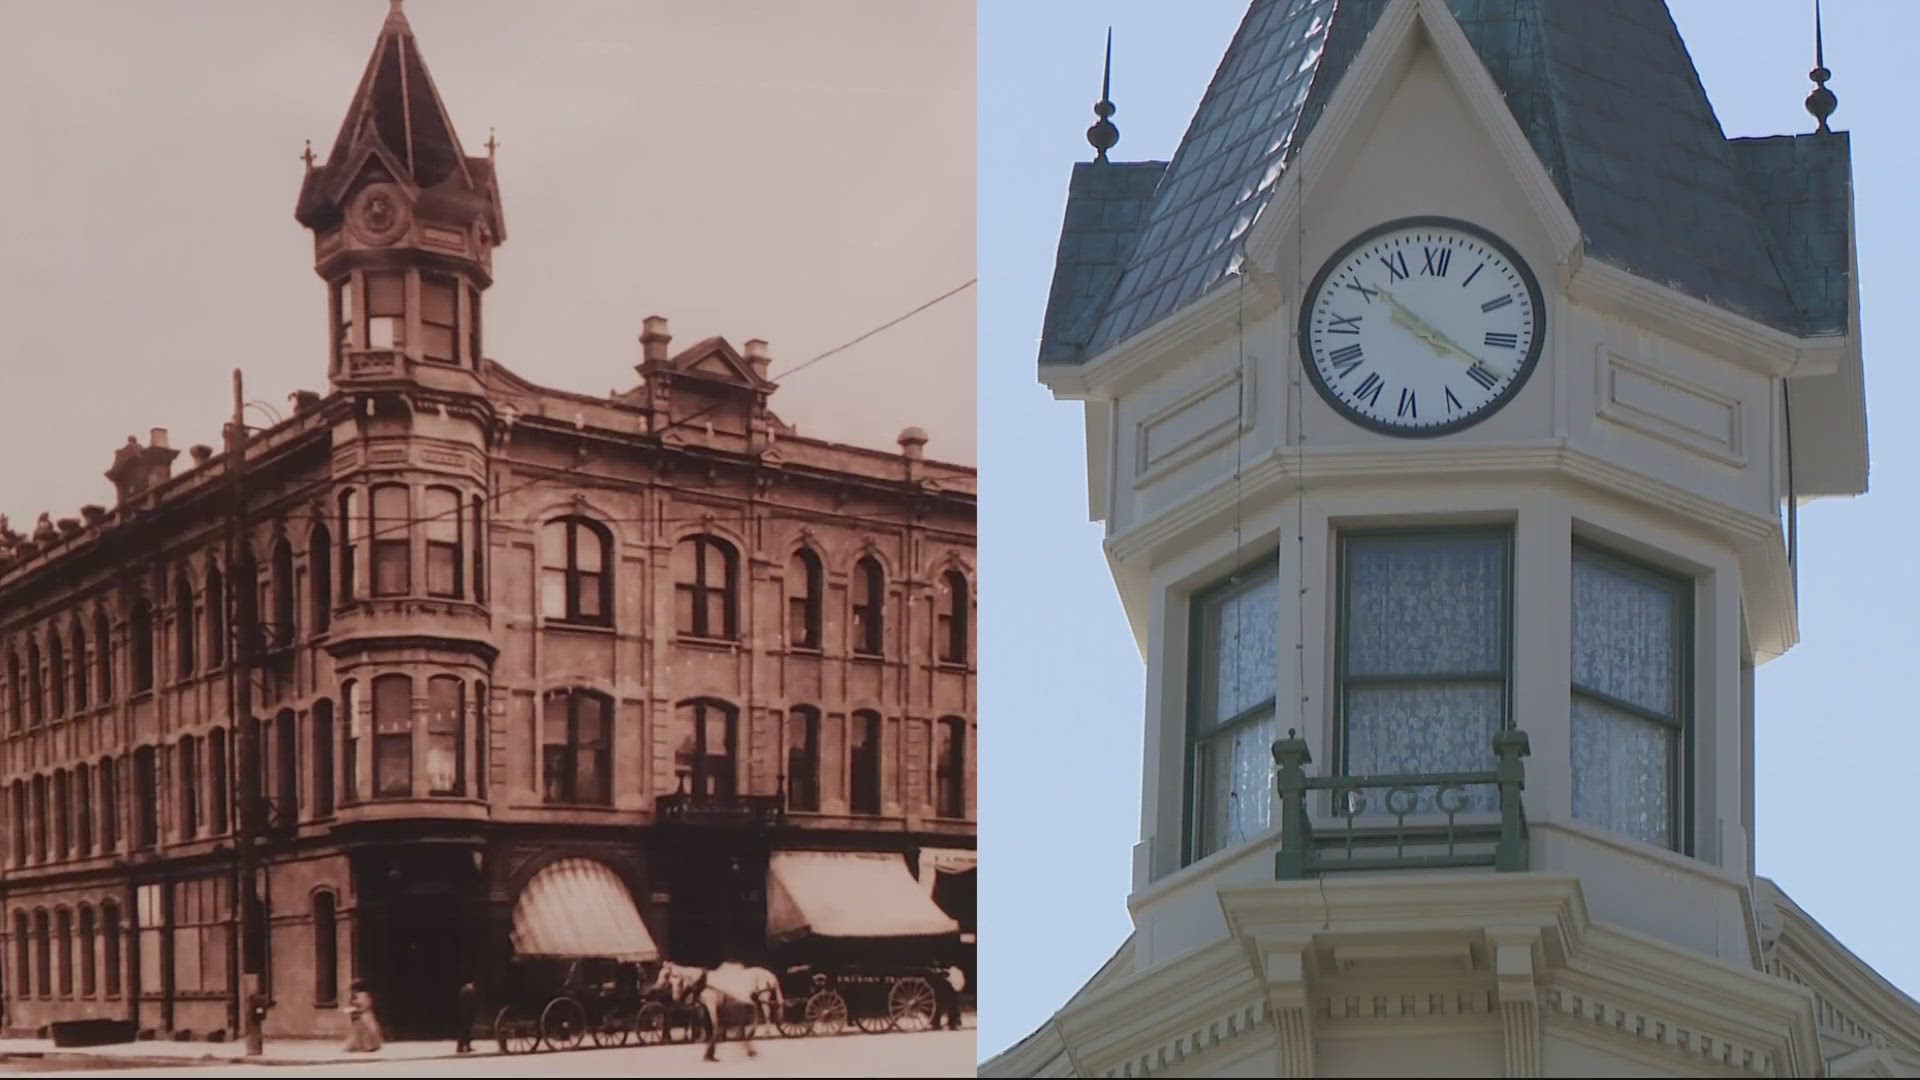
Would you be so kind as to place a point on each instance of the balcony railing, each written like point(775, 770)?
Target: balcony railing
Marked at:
point(685, 807)
point(1401, 821)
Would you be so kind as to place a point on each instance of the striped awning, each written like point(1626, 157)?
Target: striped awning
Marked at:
point(849, 894)
point(580, 908)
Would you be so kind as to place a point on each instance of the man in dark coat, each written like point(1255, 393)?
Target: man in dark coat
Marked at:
point(947, 985)
point(466, 1007)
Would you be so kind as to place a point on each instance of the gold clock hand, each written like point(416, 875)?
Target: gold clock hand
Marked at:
point(1440, 343)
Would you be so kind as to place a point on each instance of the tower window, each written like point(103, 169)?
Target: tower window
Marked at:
point(390, 531)
point(446, 731)
point(1235, 665)
point(474, 354)
point(440, 318)
point(386, 311)
point(343, 317)
point(392, 736)
point(445, 561)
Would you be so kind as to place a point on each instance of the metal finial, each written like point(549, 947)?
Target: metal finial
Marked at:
point(308, 156)
point(493, 144)
point(1821, 102)
point(1103, 135)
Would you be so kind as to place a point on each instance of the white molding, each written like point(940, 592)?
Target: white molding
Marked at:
point(1199, 444)
point(1677, 1037)
point(1611, 363)
point(1139, 359)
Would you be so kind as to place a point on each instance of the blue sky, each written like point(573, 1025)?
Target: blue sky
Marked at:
point(1060, 776)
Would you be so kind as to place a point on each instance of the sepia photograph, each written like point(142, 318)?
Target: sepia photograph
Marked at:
point(488, 565)
point(1437, 585)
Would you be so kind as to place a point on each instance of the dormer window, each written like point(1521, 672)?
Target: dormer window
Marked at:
point(386, 311)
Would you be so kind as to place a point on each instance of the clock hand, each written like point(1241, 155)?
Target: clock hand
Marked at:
point(1439, 342)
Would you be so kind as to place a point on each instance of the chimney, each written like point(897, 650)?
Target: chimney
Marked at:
point(654, 340)
point(202, 453)
point(913, 443)
point(757, 358)
point(158, 440)
point(159, 458)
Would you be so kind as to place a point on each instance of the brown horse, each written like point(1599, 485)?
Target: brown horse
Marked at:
point(727, 989)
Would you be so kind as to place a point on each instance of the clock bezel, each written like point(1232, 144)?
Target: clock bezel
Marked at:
point(1498, 402)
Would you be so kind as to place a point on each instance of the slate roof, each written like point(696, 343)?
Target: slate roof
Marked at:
point(1107, 208)
point(1608, 98)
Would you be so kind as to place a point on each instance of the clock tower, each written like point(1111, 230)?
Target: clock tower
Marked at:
point(1450, 395)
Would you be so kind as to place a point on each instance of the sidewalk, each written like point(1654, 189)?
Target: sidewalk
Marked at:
point(277, 1052)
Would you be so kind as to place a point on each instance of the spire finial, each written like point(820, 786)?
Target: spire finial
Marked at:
point(1103, 135)
point(308, 156)
point(493, 144)
point(1821, 102)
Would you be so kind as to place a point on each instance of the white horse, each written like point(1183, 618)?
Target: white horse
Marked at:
point(728, 987)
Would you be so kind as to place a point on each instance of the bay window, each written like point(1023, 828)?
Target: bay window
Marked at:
point(1235, 664)
point(446, 729)
point(391, 529)
point(392, 737)
point(445, 559)
point(439, 318)
point(1631, 626)
point(386, 311)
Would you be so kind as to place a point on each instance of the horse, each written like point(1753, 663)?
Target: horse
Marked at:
point(726, 987)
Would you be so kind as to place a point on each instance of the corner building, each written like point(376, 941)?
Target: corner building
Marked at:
point(520, 652)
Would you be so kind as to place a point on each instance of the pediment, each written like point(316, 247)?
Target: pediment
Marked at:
point(716, 361)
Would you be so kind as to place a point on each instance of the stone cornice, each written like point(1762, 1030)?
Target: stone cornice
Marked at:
point(1835, 976)
point(1138, 359)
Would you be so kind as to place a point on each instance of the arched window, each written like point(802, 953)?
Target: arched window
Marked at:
point(869, 607)
point(103, 655)
point(322, 724)
point(36, 685)
point(40, 819)
point(63, 924)
point(17, 804)
point(57, 672)
point(576, 752)
point(61, 812)
point(863, 794)
point(392, 532)
point(146, 798)
point(575, 586)
point(79, 665)
point(326, 949)
point(806, 588)
point(392, 737)
point(22, 956)
point(219, 649)
point(141, 631)
point(349, 744)
point(950, 768)
point(320, 565)
point(446, 735)
point(707, 573)
point(709, 738)
point(109, 806)
point(285, 614)
point(286, 756)
point(955, 607)
point(217, 780)
point(89, 948)
point(110, 947)
point(446, 554)
point(16, 708)
point(186, 626)
point(349, 540)
point(43, 952)
point(803, 758)
point(83, 808)
point(189, 761)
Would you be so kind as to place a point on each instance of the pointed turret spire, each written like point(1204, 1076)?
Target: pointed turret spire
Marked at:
point(1821, 102)
point(1103, 134)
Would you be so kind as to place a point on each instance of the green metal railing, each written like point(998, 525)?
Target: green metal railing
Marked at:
point(1408, 829)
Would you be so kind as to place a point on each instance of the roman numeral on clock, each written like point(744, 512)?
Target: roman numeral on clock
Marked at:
point(1453, 403)
point(1479, 373)
point(1396, 264)
point(1475, 274)
point(1496, 303)
point(1497, 339)
point(1437, 259)
point(1370, 388)
point(1365, 292)
point(1407, 405)
point(1343, 324)
point(1345, 359)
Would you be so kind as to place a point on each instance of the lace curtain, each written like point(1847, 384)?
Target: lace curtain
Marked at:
point(1627, 628)
point(1426, 657)
point(1233, 755)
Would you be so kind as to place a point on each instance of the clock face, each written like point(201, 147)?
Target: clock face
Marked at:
point(1422, 326)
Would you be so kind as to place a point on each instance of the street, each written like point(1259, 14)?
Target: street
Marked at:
point(927, 1053)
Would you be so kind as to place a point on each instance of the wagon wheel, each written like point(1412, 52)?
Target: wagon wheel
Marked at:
point(650, 1024)
point(515, 1033)
point(911, 1004)
point(563, 1023)
point(613, 1027)
point(873, 1023)
point(793, 1018)
point(827, 1013)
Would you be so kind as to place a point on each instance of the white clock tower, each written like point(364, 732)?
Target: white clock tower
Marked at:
point(1448, 396)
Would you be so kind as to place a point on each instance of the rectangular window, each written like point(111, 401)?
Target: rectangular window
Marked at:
point(349, 540)
point(386, 311)
point(391, 531)
point(392, 737)
point(83, 809)
point(951, 773)
point(446, 733)
point(803, 758)
point(322, 736)
point(1424, 654)
point(18, 805)
point(439, 319)
point(189, 787)
point(349, 744)
point(1235, 665)
point(576, 748)
point(62, 815)
point(343, 314)
point(40, 819)
point(109, 805)
point(477, 535)
point(1631, 626)
point(444, 556)
point(286, 756)
point(473, 327)
point(146, 798)
point(865, 761)
point(217, 780)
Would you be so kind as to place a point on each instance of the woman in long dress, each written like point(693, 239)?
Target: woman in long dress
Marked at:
point(363, 1027)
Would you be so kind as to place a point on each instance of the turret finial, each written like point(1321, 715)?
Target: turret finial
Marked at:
point(1103, 134)
point(493, 144)
point(308, 155)
point(1821, 102)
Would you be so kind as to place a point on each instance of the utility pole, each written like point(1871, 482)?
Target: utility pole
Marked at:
point(243, 586)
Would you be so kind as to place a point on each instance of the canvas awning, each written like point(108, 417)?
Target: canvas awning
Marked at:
point(580, 908)
point(849, 894)
point(937, 861)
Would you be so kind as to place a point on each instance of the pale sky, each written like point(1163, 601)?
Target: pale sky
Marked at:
point(799, 172)
point(1060, 786)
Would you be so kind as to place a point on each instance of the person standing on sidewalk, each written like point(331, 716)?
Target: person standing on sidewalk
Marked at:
point(466, 1007)
point(946, 993)
point(363, 1031)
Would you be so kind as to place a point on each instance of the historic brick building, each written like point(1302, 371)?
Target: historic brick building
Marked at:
point(521, 650)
